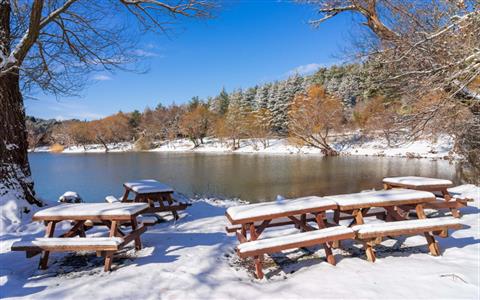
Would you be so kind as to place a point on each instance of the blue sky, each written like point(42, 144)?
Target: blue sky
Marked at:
point(247, 43)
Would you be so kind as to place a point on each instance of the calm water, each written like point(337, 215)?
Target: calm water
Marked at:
point(249, 177)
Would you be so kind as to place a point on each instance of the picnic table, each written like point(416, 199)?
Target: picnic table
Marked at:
point(111, 215)
point(393, 201)
point(153, 192)
point(432, 185)
point(255, 218)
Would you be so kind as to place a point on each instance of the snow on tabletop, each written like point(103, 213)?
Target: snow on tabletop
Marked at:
point(148, 186)
point(277, 207)
point(408, 224)
point(293, 238)
point(92, 209)
point(379, 197)
point(195, 259)
point(76, 241)
point(417, 181)
point(111, 199)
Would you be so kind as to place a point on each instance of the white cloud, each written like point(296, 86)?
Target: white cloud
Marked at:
point(102, 77)
point(305, 69)
point(144, 53)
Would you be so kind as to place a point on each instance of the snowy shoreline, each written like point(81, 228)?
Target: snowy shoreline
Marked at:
point(440, 148)
point(194, 258)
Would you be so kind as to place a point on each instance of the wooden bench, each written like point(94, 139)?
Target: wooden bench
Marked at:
point(96, 214)
point(258, 248)
point(369, 234)
point(104, 246)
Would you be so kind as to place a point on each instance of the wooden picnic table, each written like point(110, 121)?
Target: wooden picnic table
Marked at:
point(394, 202)
point(153, 192)
point(428, 184)
point(253, 219)
point(111, 215)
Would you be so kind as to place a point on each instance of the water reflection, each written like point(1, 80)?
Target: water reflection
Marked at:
point(250, 177)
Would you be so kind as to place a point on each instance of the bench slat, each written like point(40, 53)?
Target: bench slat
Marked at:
point(297, 240)
point(407, 227)
point(69, 244)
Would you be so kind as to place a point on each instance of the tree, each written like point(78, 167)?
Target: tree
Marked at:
point(196, 123)
point(80, 133)
point(313, 117)
point(52, 45)
point(420, 47)
point(220, 103)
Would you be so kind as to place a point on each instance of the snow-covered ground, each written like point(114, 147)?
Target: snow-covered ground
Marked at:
point(194, 259)
point(441, 147)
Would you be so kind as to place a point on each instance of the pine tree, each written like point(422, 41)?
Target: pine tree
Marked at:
point(220, 103)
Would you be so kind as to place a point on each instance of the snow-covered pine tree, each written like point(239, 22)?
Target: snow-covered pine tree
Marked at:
point(283, 98)
point(261, 96)
point(248, 99)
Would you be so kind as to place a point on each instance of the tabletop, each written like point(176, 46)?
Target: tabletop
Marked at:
point(148, 186)
point(417, 182)
point(90, 211)
point(383, 198)
point(277, 209)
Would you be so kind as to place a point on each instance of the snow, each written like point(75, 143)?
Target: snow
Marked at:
point(417, 181)
point(405, 225)
point(195, 259)
point(346, 144)
point(111, 199)
point(266, 209)
point(146, 186)
point(70, 197)
point(379, 197)
point(263, 244)
point(91, 209)
point(76, 241)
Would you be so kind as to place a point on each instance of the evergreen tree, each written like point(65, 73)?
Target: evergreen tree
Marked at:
point(221, 102)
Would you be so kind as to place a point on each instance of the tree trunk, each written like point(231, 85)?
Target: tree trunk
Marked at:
point(469, 145)
point(15, 168)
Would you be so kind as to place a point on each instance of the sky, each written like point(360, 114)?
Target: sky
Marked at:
point(248, 42)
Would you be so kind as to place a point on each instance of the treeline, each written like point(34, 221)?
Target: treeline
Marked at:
point(306, 109)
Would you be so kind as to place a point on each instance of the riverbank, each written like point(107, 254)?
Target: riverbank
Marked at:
point(194, 259)
point(438, 148)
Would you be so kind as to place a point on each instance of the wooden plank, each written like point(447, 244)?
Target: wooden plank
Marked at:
point(279, 215)
point(410, 231)
point(386, 203)
point(298, 245)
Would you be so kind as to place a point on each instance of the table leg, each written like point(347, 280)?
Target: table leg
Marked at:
point(326, 246)
point(125, 195)
point(170, 202)
point(138, 241)
point(448, 197)
point(45, 254)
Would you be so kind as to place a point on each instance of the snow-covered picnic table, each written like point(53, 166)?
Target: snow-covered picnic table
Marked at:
point(358, 204)
point(152, 191)
point(252, 219)
point(111, 215)
point(429, 184)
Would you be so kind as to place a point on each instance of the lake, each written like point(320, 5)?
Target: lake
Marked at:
point(251, 177)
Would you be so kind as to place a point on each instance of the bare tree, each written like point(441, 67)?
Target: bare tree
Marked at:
point(51, 45)
point(420, 47)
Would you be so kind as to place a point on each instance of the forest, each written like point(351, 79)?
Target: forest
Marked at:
point(305, 109)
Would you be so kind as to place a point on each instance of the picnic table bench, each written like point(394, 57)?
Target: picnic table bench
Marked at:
point(435, 185)
point(253, 219)
point(110, 215)
point(395, 202)
point(153, 192)
point(249, 221)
